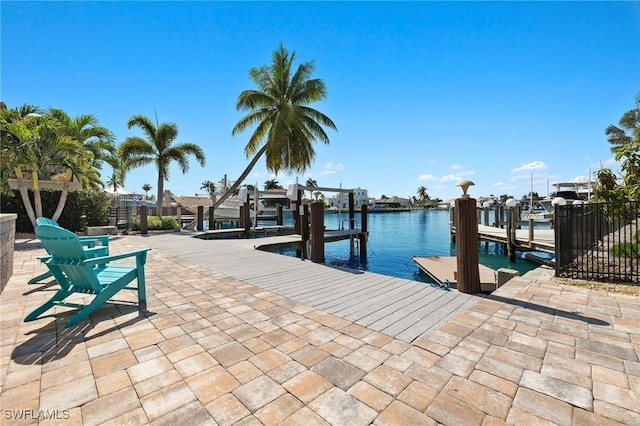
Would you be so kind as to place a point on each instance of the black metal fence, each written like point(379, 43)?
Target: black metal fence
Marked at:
point(598, 241)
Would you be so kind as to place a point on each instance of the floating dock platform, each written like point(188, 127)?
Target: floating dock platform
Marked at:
point(443, 268)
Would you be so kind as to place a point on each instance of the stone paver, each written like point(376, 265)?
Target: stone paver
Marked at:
point(211, 349)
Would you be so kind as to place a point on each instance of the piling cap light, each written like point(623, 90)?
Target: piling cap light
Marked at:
point(511, 202)
point(465, 184)
point(559, 201)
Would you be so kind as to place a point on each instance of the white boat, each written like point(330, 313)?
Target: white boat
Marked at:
point(230, 209)
point(573, 193)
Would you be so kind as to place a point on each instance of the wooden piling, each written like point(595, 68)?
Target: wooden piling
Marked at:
point(511, 232)
point(296, 214)
point(200, 218)
point(352, 213)
point(317, 232)
point(468, 274)
point(363, 231)
point(279, 215)
point(144, 224)
point(304, 231)
point(245, 219)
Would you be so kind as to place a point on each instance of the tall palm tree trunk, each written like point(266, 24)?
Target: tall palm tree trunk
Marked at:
point(62, 201)
point(160, 191)
point(242, 177)
point(37, 200)
point(24, 194)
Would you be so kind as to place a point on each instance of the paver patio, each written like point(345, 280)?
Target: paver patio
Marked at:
point(212, 349)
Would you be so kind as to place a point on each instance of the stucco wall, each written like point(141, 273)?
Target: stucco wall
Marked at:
point(7, 237)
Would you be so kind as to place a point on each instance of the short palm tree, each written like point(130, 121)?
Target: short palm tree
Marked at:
point(146, 188)
point(116, 180)
point(423, 197)
point(312, 183)
point(158, 149)
point(97, 142)
point(272, 184)
point(40, 147)
point(208, 186)
point(285, 126)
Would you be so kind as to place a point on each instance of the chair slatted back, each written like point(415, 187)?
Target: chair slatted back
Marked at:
point(67, 255)
point(46, 221)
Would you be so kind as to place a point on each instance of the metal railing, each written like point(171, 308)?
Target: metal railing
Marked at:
point(598, 241)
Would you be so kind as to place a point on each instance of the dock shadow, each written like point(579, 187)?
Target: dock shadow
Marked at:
point(548, 310)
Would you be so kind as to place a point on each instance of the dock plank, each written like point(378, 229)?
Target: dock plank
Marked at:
point(408, 293)
point(398, 311)
point(434, 319)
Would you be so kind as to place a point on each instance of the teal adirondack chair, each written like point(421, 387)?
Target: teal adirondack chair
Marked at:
point(76, 272)
point(92, 250)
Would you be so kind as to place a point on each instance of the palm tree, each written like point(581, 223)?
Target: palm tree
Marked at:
point(208, 186)
point(272, 184)
point(285, 126)
point(39, 146)
point(312, 183)
point(98, 144)
point(116, 180)
point(158, 149)
point(86, 129)
point(626, 146)
point(146, 188)
point(422, 195)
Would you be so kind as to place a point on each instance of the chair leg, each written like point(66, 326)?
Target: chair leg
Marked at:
point(97, 301)
point(60, 295)
point(142, 289)
point(40, 277)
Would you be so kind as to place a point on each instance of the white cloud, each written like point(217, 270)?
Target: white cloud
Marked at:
point(529, 167)
point(426, 177)
point(499, 184)
point(466, 173)
point(331, 168)
point(456, 167)
point(450, 178)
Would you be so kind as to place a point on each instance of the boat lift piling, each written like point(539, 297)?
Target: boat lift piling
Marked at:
point(318, 235)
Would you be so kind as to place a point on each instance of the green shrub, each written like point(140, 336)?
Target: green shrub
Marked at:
point(82, 208)
point(628, 250)
point(155, 223)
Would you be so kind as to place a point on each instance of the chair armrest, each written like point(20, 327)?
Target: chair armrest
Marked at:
point(89, 242)
point(103, 239)
point(105, 259)
point(97, 251)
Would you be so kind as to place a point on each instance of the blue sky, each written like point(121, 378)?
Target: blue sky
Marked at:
point(422, 93)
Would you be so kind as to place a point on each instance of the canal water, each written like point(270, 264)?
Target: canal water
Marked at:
point(396, 237)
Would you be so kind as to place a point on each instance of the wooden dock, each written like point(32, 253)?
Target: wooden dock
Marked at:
point(222, 233)
point(398, 307)
point(543, 239)
point(442, 269)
